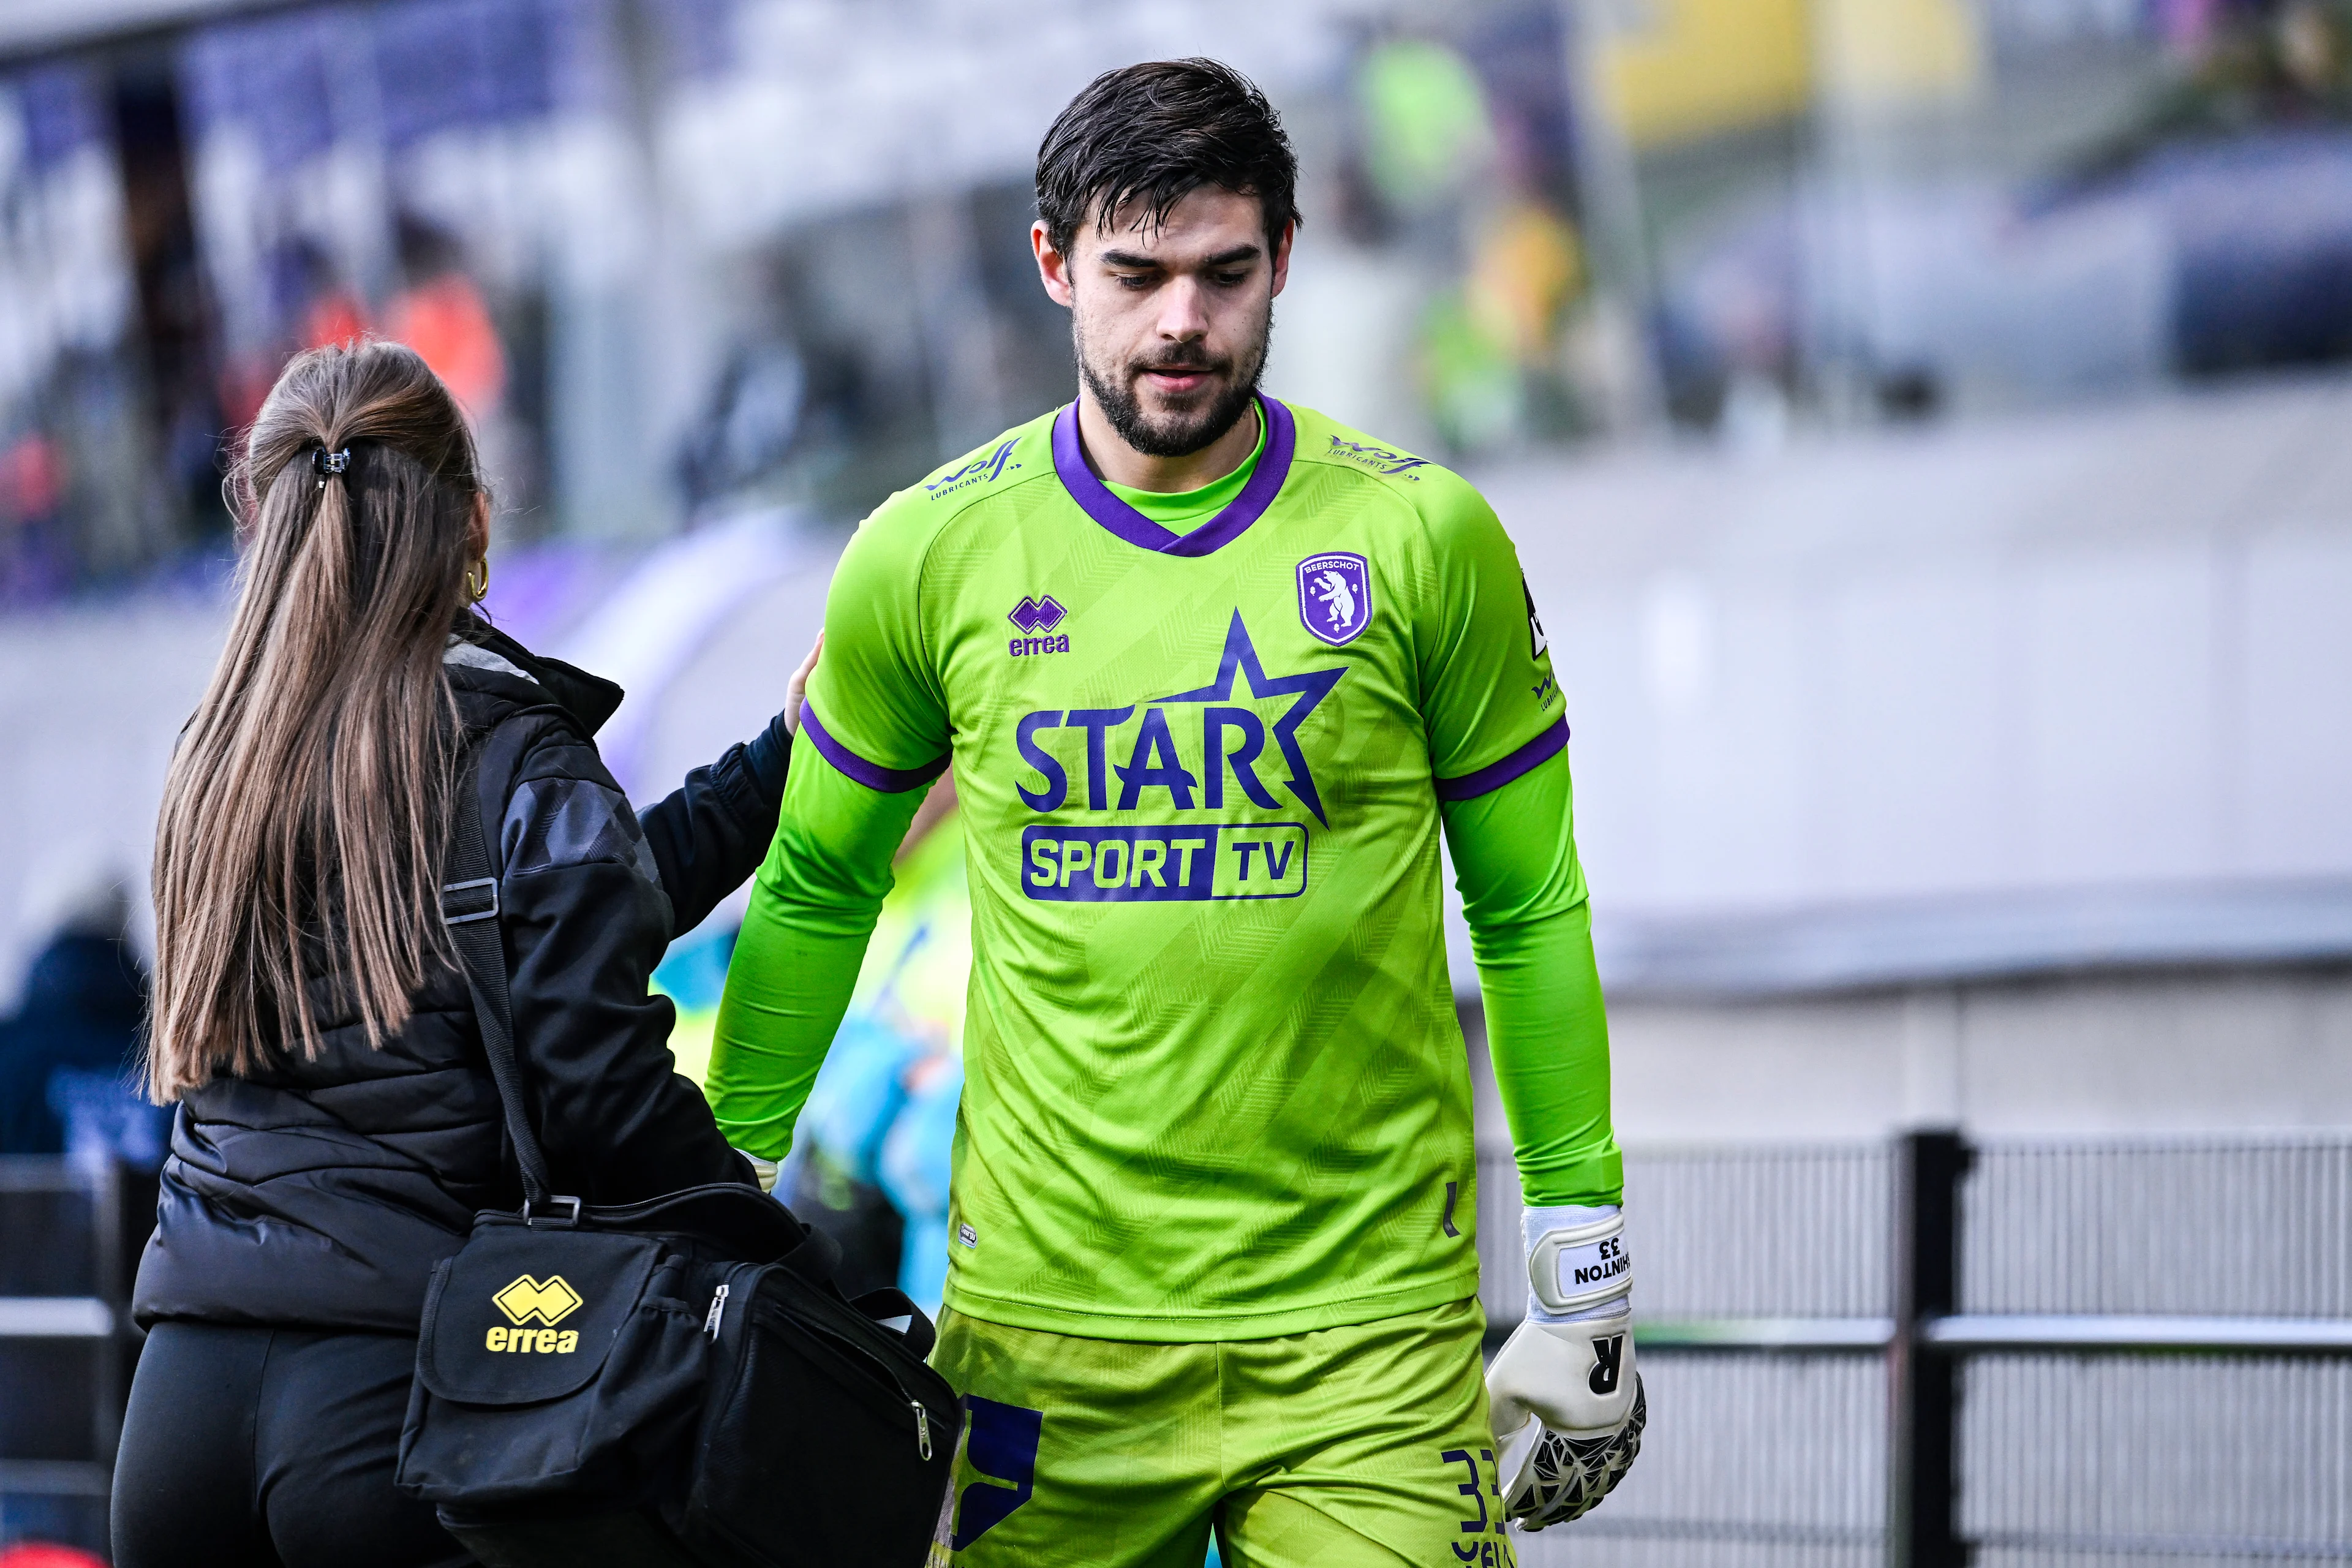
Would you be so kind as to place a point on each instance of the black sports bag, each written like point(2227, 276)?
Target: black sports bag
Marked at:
point(671, 1382)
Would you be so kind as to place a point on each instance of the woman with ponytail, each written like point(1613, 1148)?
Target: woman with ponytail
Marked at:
point(337, 1125)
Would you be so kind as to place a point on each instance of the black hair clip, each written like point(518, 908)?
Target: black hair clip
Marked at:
point(326, 462)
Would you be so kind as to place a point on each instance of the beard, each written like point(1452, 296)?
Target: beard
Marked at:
point(1201, 417)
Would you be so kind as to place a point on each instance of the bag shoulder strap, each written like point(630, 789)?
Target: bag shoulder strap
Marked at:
point(469, 909)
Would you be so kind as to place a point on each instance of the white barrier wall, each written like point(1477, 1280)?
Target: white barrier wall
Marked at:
point(90, 702)
point(2082, 674)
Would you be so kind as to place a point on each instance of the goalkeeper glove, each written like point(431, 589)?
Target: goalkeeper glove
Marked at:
point(765, 1170)
point(1567, 1402)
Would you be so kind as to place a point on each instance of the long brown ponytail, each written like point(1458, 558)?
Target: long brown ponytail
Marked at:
point(310, 797)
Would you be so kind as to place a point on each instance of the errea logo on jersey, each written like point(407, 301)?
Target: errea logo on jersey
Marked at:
point(1038, 617)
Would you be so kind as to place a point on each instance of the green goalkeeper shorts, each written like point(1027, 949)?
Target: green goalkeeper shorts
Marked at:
point(1365, 1446)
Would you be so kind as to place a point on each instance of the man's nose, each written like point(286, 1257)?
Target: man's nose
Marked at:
point(1183, 313)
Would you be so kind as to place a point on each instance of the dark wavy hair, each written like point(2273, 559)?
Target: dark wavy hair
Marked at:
point(1154, 133)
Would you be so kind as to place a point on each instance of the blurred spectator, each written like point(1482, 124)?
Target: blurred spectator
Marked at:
point(915, 1162)
point(36, 558)
point(2274, 51)
point(314, 296)
point(335, 317)
point(1464, 147)
point(693, 976)
point(69, 1055)
point(1526, 269)
point(441, 314)
point(1491, 346)
point(319, 308)
point(1426, 128)
point(39, 1554)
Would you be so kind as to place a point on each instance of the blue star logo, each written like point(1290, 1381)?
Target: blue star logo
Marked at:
point(1306, 690)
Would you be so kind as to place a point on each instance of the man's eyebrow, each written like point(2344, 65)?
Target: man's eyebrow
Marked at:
point(1138, 259)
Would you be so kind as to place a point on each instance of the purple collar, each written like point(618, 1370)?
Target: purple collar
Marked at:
point(1264, 484)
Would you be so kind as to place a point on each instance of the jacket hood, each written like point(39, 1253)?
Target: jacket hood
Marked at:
point(480, 657)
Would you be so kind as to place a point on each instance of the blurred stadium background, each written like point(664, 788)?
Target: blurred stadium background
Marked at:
point(1927, 429)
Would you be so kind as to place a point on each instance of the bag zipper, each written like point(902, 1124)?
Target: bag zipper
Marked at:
point(718, 1310)
point(842, 1341)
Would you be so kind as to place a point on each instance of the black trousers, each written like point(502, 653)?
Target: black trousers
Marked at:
point(252, 1447)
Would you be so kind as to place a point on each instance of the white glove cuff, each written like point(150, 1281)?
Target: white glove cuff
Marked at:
point(1576, 1262)
point(763, 1169)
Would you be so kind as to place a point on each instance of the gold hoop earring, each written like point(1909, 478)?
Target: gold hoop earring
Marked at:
point(480, 591)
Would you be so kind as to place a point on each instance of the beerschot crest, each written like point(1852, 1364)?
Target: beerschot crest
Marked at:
point(1335, 596)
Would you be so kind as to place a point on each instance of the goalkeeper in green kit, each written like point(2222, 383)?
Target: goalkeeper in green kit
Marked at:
point(1212, 672)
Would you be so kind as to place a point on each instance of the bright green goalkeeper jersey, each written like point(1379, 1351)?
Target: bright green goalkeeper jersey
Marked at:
point(1215, 1086)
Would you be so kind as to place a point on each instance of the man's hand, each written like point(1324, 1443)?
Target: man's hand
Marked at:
point(796, 689)
point(1567, 1402)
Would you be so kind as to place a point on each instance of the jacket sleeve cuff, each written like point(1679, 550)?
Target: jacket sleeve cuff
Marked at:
point(769, 756)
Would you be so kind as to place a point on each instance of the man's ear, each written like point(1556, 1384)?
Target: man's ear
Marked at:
point(1282, 254)
point(1053, 266)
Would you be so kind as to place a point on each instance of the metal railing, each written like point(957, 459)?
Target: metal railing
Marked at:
point(1927, 1354)
point(1919, 1354)
point(66, 1248)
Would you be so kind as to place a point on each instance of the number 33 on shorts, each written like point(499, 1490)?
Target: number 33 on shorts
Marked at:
point(1482, 1543)
point(1363, 1446)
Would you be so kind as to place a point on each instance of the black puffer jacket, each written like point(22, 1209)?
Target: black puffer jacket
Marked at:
point(321, 1192)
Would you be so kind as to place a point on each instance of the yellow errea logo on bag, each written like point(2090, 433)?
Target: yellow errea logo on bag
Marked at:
point(551, 1301)
point(526, 1298)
